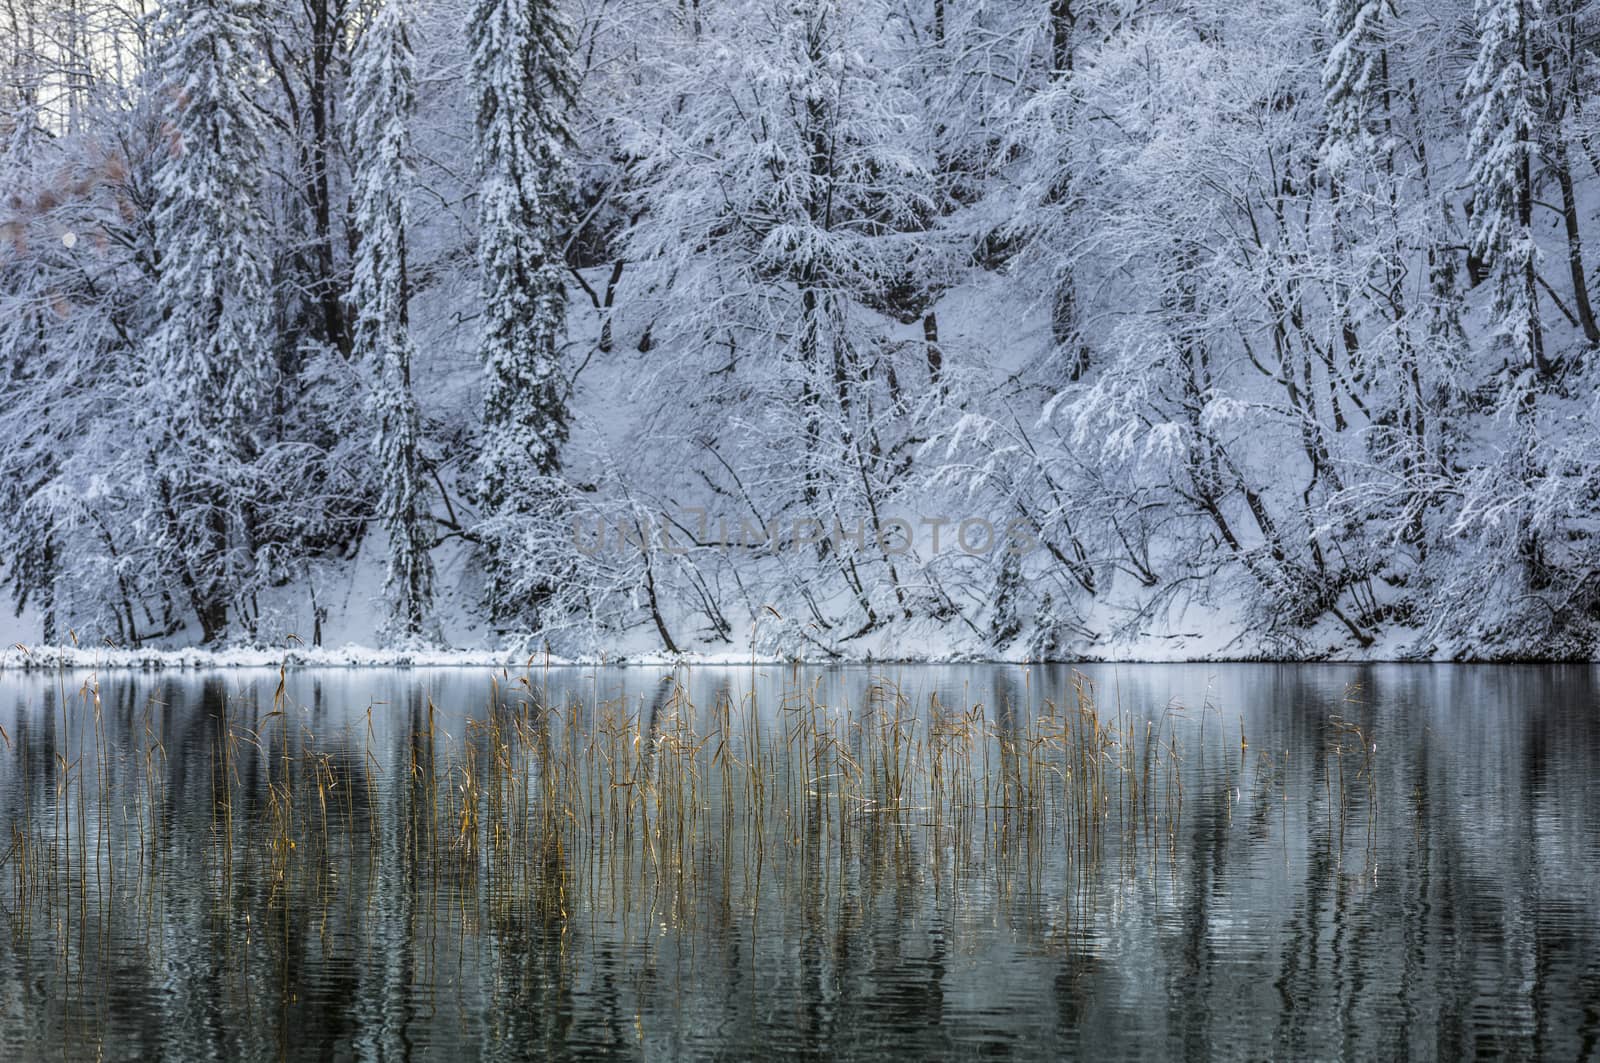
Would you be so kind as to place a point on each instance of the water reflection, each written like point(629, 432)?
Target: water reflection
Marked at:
point(1302, 861)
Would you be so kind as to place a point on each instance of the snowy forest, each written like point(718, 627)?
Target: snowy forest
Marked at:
point(1024, 329)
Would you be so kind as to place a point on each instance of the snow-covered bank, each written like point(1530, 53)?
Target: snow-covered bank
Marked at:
point(155, 659)
point(108, 658)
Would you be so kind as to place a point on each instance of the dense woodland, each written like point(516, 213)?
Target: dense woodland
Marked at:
point(1262, 322)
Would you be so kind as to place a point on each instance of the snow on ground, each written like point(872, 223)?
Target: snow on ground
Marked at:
point(917, 642)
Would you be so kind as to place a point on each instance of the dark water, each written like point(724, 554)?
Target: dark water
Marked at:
point(1306, 862)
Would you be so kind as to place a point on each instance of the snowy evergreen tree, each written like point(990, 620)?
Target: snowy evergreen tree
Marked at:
point(27, 541)
point(210, 359)
point(1352, 72)
point(382, 101)
point(524, 87)
point(1502, 98)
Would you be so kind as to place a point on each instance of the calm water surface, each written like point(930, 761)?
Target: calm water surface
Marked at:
point(1244, 861)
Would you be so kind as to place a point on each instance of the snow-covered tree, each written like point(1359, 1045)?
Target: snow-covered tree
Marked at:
point(1353, 73)
point(382, 101)
point(523, 86)
point(786, 238)
point(28, 542)
point(210, 365)
point(1502, 96)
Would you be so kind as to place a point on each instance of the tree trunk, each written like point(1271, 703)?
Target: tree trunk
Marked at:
point(605, 309)
point(1477, 269)
point(1569, 215)
point(50, 633)
point(650, 594)
point(1062, 21)
point(325, 30)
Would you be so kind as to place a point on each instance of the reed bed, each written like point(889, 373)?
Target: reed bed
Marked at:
point(543, 815)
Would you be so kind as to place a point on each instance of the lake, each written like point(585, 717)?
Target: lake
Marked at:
point(897, 862)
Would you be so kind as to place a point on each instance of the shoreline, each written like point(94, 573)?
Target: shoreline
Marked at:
point(22, 658)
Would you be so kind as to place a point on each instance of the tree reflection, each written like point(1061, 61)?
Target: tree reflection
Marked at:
point(1396, 864)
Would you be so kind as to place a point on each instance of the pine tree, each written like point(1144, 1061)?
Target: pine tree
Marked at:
point(1502, 101)
point(1503, 98)
point(524, 86)
point(1351, 71)
point(382, 101)
point(27, 464)
point(210, 356)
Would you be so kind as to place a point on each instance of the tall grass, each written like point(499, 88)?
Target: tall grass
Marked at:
point(546, 813)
